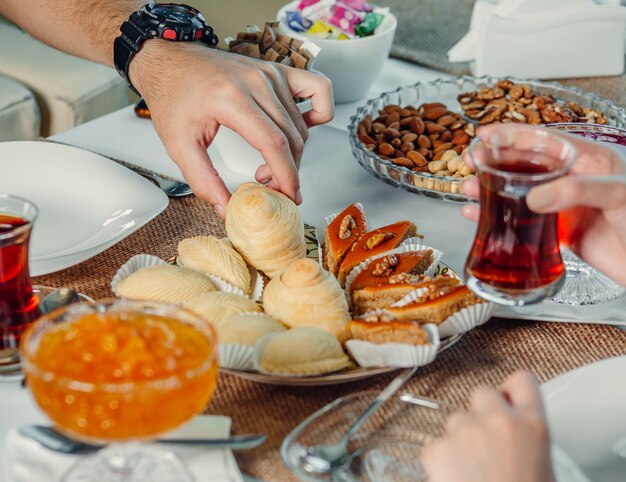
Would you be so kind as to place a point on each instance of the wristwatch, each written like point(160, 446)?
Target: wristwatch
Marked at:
point(168, 21)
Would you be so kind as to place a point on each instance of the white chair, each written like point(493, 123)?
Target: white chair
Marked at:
point(69, 90)
point(19, 113)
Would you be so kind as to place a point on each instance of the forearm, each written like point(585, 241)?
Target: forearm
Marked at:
point(85, 28)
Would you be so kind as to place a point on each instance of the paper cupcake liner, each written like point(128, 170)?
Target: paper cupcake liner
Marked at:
point(236, 357)
point(466, 319)
point(406, 247)
point(135, 263)
point(320, 230)
point(369, 355)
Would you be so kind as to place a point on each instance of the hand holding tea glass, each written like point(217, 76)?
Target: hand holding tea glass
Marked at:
point(591, 211)
point(117, 372)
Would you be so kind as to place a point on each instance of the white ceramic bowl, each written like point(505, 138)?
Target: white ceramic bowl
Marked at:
point(352, 65)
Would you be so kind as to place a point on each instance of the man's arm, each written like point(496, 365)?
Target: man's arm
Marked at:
point(193, 90)
point(85, 28)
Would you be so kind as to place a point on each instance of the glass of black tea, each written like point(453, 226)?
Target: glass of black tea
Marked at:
point(18, 304)
point(516, 258)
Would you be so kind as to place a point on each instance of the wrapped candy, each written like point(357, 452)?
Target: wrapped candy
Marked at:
point(370, 23)
point(336, 19)
point(297, 23)
point(345, 18)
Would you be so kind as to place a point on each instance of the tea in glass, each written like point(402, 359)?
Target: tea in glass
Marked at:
point(516, 258)
point(18, 304)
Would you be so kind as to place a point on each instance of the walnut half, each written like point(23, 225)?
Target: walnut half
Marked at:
point(378, 239)
point(347, 225)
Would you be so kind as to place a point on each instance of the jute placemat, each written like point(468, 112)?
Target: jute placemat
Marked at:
point(483, 357)
point(427, 29)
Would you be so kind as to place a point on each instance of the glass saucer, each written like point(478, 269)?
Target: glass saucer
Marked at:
point(11, 367)
point(386, 448)
point(584, 285)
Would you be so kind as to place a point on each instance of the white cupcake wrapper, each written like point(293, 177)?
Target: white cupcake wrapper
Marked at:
point(134, 264)
point(408, 246)
point(320, 230)
point(370, 355)
point(236, 357)
point(467, 319)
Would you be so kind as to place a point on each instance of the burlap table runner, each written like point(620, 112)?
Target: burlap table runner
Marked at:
point(484, 356)
point(427, 29)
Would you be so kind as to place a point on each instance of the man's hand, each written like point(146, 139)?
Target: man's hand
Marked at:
point(192, 90)
point(503, 437)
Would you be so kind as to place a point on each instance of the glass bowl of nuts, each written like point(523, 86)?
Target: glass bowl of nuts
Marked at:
point(414, 137)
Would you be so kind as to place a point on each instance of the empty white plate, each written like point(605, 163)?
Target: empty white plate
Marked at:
point(86, 202)
point(586, 410)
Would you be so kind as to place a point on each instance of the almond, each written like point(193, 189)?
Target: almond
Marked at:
point(404, 162)
point(417, 158)
point(386, 150)
point(424, 142)
point(417, 125)
point(434, 113)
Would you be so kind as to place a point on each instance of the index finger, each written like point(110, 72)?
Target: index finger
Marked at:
point(316, 87)
point(258, 130)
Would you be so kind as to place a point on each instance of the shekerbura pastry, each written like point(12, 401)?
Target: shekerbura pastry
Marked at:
point(341, 234)
point(164, 283)
point(307, 295)
point(246, 328)
point(217, 306)
point(302, 351)
point(209, 254)
point(265, 227)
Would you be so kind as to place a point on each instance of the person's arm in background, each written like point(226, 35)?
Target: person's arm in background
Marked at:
point(502, 437)
point(192, 90)
point(591, 202)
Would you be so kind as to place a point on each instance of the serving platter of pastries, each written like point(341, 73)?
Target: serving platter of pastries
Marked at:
point(295, 305)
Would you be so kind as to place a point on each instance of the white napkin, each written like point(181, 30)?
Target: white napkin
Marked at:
point(27, 461)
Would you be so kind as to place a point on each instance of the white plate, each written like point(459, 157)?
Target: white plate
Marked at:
point(86, 202)
point(586, 410)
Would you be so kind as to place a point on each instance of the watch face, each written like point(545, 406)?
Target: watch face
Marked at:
point(173, 13)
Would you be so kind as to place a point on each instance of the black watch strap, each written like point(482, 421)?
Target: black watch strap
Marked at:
point(125, 47)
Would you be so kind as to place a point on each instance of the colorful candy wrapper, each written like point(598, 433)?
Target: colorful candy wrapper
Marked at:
point(325, 31)
point(297, 23)
point(358, 5)
point(306, 3)
point(345, 18)
point(368, 26)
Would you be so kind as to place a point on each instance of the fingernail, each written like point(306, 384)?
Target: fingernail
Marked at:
point(220, 210)
point(298, 197)
point(265, 181)
point(541, 197)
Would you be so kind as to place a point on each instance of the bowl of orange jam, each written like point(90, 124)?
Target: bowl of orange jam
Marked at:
point(119, 370)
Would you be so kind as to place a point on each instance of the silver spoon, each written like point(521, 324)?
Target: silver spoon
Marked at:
point(49, 438)
point(168, 186)
point(325, 458)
